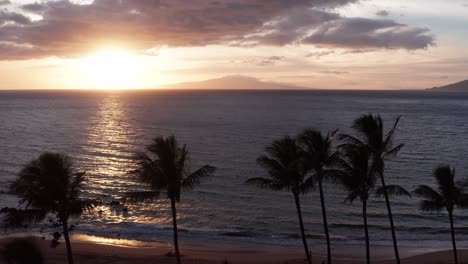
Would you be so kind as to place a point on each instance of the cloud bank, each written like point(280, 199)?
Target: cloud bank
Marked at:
point(68, 29)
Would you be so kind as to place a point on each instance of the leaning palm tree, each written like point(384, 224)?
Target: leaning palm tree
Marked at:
point(285, 165)
point(49, 184)
point(320, 156)
point(166, 167)
point(380, 144)
point(358, 180)
point(449, 195)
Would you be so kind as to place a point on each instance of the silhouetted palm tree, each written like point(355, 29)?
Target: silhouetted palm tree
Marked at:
point(320, 156)
point(166, 168)
point(22, 251)
point(285, 165)
point(380, 144)
point(449, 195)
point(359, 182)
point(50, 184)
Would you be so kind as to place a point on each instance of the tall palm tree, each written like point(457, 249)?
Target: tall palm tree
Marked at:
point(284, 162)
point(359, 182)
point(49, 184)
point(166, 167)
point(380, 144)
point(320, 156)
point(449, 195)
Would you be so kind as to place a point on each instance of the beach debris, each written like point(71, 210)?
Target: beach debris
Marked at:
point(55, 241)
point(56, 235)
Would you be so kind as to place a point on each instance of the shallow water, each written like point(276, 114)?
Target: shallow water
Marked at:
point(229, 129)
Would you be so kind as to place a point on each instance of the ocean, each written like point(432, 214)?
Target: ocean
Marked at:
point(229, 130)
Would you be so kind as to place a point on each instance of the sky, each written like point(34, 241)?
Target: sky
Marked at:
point(330, 44)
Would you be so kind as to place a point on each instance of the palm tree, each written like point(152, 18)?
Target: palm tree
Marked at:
point(380, 144)
point(166, 168)
point(449, 195)
point(49, 184)
point(285, 165)
point(359, 182)
point(320, 156)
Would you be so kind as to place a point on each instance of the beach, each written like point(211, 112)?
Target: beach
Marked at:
point(108, 251)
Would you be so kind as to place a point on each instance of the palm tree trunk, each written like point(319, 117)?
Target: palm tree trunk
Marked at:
point(67, 241)
point(390, 217)
point(301, 224)
point(366, 231)
point(174, 226)
point(325, 222)
point(453, 237)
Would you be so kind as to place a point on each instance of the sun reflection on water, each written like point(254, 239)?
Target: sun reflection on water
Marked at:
point(113, 139)
point(111, 241)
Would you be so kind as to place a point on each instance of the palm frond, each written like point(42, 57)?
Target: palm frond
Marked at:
point(196, 177)
point(428, 193)
point(18, 218)
point(141, 197)
point(429, 205)
point(390, 134)
point(392, 190)
point(350, 140)
point(50, 183)
point(285, 151)
point(333, 175)
point(307, 185)
point(353, 195)
point(462, 201)
point(393, 152)
point(266, 183)
point(371, 127)
point(77, 207)
point(272, 166)
point(445, 177)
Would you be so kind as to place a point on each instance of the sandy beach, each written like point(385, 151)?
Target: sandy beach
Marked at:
point(107, 251)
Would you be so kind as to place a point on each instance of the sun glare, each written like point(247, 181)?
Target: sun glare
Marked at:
point(112, 68)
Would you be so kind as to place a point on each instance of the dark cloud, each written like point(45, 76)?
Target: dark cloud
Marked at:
point(319, 54)
point(69, 29)
point(262, 61)
point(368, 33)
point(9, 17)
point(4, 2)
point(383, 13)
point(269, 60)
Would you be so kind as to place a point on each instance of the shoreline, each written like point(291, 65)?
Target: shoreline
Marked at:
point(89, 249)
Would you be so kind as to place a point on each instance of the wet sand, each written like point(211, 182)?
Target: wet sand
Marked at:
point(105, 252)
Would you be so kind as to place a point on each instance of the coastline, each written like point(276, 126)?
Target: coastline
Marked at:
point(89, 249)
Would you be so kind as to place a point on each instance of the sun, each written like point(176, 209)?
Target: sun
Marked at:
point(112, 69)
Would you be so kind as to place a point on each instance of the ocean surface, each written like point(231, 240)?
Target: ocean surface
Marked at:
point(230, 129)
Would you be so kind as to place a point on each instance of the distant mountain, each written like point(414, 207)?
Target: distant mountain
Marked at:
point(455, 87)
point(234, 83)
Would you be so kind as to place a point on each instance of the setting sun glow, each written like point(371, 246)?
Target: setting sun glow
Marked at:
point(112, 68)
